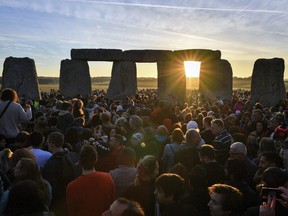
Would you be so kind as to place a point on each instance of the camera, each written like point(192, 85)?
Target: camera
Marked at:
point(270, 191)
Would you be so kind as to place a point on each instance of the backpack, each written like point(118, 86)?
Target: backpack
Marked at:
point(70, 166)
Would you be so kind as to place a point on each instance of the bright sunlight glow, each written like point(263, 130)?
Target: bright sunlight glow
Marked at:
point(192, 68)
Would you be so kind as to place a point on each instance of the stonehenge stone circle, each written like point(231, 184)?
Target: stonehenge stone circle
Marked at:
point(74, 78)
point(20, 74)
point(267, 85)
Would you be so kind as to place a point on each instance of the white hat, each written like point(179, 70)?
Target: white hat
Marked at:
point(192, 125)
point(119, 108)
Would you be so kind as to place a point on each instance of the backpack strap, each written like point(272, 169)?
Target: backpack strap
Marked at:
point(5, 109)
point(172, 149)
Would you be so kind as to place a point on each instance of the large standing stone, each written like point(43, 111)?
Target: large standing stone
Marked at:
point(74, 78)
point(216, 79)
point(171, 81)
point(20, 74)
point(267, 86)
point(123, 81)
point(97, 54)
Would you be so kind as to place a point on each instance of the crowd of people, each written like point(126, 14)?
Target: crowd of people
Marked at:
point(142, 155)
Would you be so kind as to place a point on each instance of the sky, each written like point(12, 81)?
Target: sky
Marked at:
point(46, 30)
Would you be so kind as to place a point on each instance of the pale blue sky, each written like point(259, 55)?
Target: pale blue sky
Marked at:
point(46, 30)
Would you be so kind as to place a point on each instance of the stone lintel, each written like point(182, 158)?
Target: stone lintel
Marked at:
point(147, 55)
point(97, 54)
point(196, 55)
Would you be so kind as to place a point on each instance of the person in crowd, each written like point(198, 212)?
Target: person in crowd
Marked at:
point(207, 134)
point(93, 192)
point(225, 200)
point(215, 170)
point(65, 117)
point(168, 192)
point(171, 149)
point(142, 189)
point(77, 108)
point(27, 168)
point(125, 173)
point(22, 140)
point(187, 154)
point(237, 177)
point(53, 172)
point(198, 196)
point(222, 140)
point(12, 114)
point(239, 151)
point(267, 159)
point(37, 140)
point(255, 136)
point(26, 198)
point(109, 161)
point(124, 207)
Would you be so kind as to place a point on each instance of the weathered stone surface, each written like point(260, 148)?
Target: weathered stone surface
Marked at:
point(216, 79)
point(97, 54)
point(147, 55)
point(171, 81)
point(196, 55)
point(267, 86)
point(74, 78)
point(123, 81)
point(20, 74)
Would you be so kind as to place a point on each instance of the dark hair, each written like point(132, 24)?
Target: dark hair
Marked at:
point(218, 122)
point(56, 138)
point(207, 120)
point(274, 177)
point(9, 94)
point(25, 198)
point(21, 153)
point(171, 184)
point(232, 197)
point(237, 169)
point(207, 150)
point(88, 157)
point(36, 139)
point(133, 208)
point(177, 135)
point(266, 145)
point(198, 177)
point(273, 157)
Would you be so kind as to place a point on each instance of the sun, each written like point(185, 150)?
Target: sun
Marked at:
point(192, 68)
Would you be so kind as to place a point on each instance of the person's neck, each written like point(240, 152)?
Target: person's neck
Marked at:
point(87, 172)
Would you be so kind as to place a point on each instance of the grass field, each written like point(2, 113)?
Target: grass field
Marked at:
point(152, 83)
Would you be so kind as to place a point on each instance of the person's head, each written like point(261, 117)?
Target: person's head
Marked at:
point(225, 200)
point(192, 136)
point(127, 157)
point(207, 121)
point(55, 141)
point(206, 153)
point(169, 188)
point(238, 151)
point(116, 142)
point(66, 105)
point(177, 135)
point(274, 177)
point(135, 122)
point(266, 145)
point(236, 169)
point(26, 198)
point(148, 169)
point(27, 168)
point(257, 115)
point(260, 126)
point(270, 159)
point(9, 94)
point(36, 139)
point(217, 126)
point(105, 117)
point(19, 154)
point(22, 139)
point(198, 177)
point(124, 207)
point(88, 157)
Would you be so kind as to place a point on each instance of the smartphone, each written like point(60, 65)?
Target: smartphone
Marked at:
point(265, 191)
